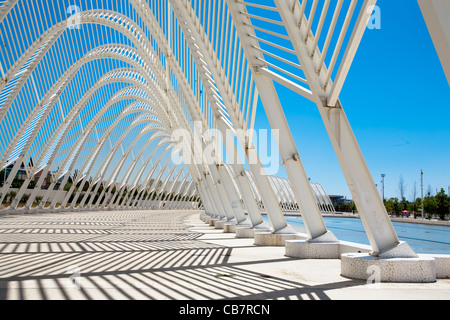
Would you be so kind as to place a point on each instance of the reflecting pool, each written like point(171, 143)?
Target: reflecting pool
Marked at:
point(422, 238)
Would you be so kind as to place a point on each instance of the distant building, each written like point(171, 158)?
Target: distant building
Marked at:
point(341, 203)
point(18, 180)
point(21, 176)
point(336, 199)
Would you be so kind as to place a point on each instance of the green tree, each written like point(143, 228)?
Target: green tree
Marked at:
point(388, 205)
point(412, 207)
point(404, 204)
point(397, 206)
point(442, 204)
point(415, 206)
point(353, 207)
point(392, 205)
point(24, 198)
point(67, 186)
point(430, 205)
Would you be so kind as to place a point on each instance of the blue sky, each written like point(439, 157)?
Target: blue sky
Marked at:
point(396, 97)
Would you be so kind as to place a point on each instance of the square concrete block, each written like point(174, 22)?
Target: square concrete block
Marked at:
point(362, 266)
point(273, 239)
point(442, 264)
point(212, 222)
point(220, 224)
point(312, 250)
point(231, 227)
point(248, 232)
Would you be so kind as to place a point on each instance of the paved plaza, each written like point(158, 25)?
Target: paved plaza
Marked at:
point(166, 255)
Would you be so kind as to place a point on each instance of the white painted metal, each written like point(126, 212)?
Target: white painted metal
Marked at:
point(199, 44)
point(378, 226)
point(163, 66)
point(312, 217)
point(436, 14)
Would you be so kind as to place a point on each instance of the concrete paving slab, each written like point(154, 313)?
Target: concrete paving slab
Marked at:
point(167, 255)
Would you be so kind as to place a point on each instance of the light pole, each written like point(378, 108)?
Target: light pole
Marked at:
point(421, 189)
point(382, 185)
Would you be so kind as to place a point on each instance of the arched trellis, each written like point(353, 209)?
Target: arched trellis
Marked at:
point(144, 165)
point(125, 155)
point(78, 146)
point(55, 142)
point(228, 69)
point(41, 38)
point(55, 31)
point(40, 112)
point(114, 150)
point(107, 77)
point(134, 184)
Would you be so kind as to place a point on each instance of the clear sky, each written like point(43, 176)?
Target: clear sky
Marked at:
point(397, 100)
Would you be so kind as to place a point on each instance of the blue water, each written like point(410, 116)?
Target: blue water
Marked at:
point(422, 238)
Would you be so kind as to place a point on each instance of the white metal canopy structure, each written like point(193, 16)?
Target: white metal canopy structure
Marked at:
point(436, 13)
point(103, 93)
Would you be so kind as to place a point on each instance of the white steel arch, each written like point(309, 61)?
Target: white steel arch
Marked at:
point(137, 71)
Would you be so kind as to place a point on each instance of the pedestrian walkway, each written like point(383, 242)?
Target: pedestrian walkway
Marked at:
point(165, 255)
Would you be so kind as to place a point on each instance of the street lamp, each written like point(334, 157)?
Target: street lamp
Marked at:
point(421, 190)
point(382, 185)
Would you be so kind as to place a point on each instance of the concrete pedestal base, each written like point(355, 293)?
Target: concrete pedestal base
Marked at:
point(207, 219)
point(13, 212)
point(442, 264)
point(245, 232)
point(232, 227)
point(220, 224)
point(203, 216)
point(212, 222)
point(274, 239)
point(327, 246)
point(312, 250)
point(362, 266)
